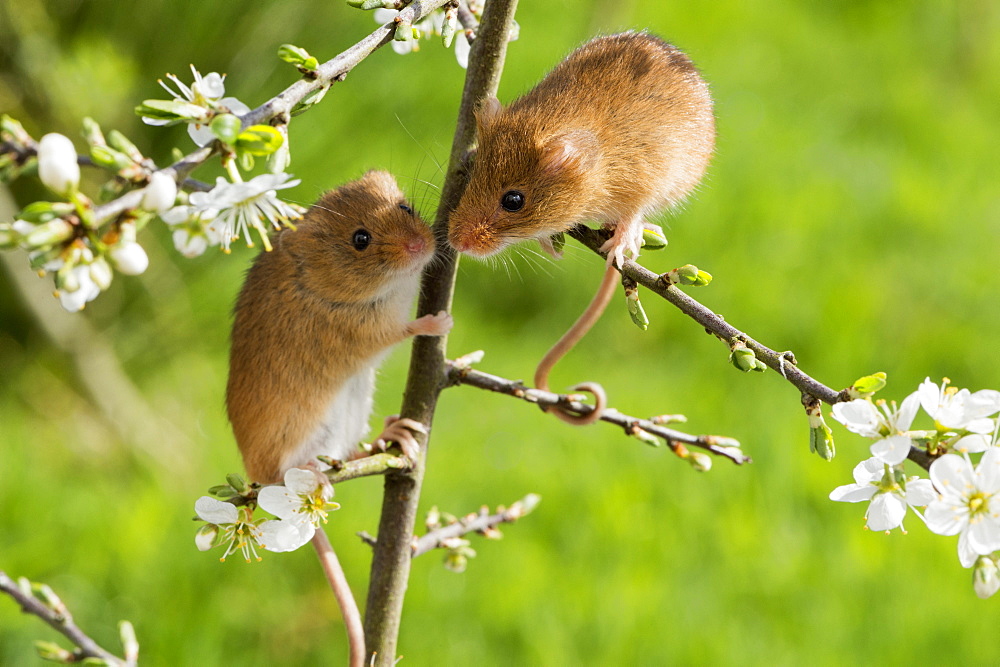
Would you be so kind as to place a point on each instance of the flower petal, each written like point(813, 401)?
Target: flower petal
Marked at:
point(859, 416)
point(892, 450)
point(279, 501)
point(944, 518)
point(215, 511)
point(920, 492)
point(907, 411)
point(886, 512)
point(951, 474)
point(300, 480)
point(280, 536)
point(852, 493)
point(988, 470)
point(967, 555)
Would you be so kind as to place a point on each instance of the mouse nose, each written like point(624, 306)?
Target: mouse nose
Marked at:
point(416, 245)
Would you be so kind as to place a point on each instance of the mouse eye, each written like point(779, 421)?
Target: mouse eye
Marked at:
point(361, 239)
point(512, 201)
point(406, 208)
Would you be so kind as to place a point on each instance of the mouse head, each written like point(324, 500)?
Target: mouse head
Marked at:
point(528, 181)
point(361, 242)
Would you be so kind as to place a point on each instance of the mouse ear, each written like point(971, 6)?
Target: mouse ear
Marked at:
point(488, 110)
point(576, 149)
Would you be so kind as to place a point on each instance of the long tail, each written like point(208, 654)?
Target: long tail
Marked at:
point(342, 591)
point(569, 340)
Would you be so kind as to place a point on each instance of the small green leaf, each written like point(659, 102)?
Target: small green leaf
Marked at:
point(173, 111)
point(653, 239)
point(120, 142)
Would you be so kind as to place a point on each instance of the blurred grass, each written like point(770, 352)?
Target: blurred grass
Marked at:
point(851, 214)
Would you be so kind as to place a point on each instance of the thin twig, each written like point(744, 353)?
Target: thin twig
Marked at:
point(718, 445)
point(376, 464)
point(62, 622)
point(782, 362)
point(478, 522)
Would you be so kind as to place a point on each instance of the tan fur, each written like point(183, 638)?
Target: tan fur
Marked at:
point(315, 310)
point(639, 118)
point(621, 128)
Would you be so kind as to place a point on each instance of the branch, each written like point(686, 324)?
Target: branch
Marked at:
point(279, 107)
point(376, 464)
point(391, 559)
point(782, 362)
point(474, 523)
point(460, 373)
point(480, 522)
point(58, 617)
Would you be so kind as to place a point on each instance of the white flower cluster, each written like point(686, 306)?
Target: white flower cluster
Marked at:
point(301, 504)
point(200, 101)
point(432, 25)
point(961, 498)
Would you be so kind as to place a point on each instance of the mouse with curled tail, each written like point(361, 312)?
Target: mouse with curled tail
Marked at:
point(620, 129)
point(315, 318)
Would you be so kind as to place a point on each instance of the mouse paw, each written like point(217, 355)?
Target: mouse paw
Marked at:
point(550, 248)
point(401, 432)
point(432, 325)
point(625, 242)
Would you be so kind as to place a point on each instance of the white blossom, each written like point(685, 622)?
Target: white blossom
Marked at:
point(301, 504)
point(57, 166)
point(192, 233)
point(960, 409)
point(967, 503)
point(238, 207)
point(79, 289)
point(888, 490)
point(886, 423)
point(206, 91)
point(235, 525)
point(160, 194)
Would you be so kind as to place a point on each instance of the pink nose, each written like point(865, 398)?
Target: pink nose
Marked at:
point(416, 246)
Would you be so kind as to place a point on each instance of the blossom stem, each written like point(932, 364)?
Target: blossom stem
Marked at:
point(232, 170)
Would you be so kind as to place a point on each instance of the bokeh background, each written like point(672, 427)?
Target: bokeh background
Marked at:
point(851, 214)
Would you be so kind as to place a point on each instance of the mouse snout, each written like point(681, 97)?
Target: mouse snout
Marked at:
point(417, 245)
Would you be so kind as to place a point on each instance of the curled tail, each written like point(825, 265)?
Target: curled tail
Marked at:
point(569, 339)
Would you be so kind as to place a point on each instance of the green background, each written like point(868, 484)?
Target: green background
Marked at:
point(851, 214)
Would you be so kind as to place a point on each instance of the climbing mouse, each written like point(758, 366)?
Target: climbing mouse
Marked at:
point(315, 318)
point(620, 129)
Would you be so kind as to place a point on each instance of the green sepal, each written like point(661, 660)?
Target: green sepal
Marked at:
point(297, 56)
point(109, 158)
point(120, 142)
point(310, 99)
point(173, 111)
point(259, 140)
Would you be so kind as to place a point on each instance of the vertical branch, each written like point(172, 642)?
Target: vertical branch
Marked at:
point(392, 556)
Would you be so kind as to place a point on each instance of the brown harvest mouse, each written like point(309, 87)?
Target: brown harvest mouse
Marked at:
point(315, 318)
point(620, 129)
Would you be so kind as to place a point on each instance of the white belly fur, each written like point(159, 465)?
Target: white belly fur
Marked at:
point(345, 423)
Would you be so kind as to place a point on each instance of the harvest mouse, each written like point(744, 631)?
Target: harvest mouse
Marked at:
point(315, 318)
point(620, 129)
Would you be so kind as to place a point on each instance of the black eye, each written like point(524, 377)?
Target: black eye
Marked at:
point(406, 208)
point(361, 239)
point(512, 201)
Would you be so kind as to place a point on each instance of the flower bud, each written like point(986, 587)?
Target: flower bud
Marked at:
point(744, 359)
point(57, 167)
point(226, 127)
point(646, 437)
point(129, 258)
point(54, 652)
point(100, 273)
point(92, 132)
point(985, 579)
point(160, 194)
point(109, 158)
point(700, 461)
point(47, 234)
point(821, 440)
point(121, 143)
point(404, 31)
point(204, 539)
point(635, 309)
point(449, 26)
point(237, 482)
point(130, 644)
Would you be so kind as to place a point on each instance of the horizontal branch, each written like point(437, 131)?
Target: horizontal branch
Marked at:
point(479, 522)
point(376, 464)
point(460, 373)
point(61, 621)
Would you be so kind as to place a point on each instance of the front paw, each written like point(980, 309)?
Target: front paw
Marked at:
point(432, 325)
